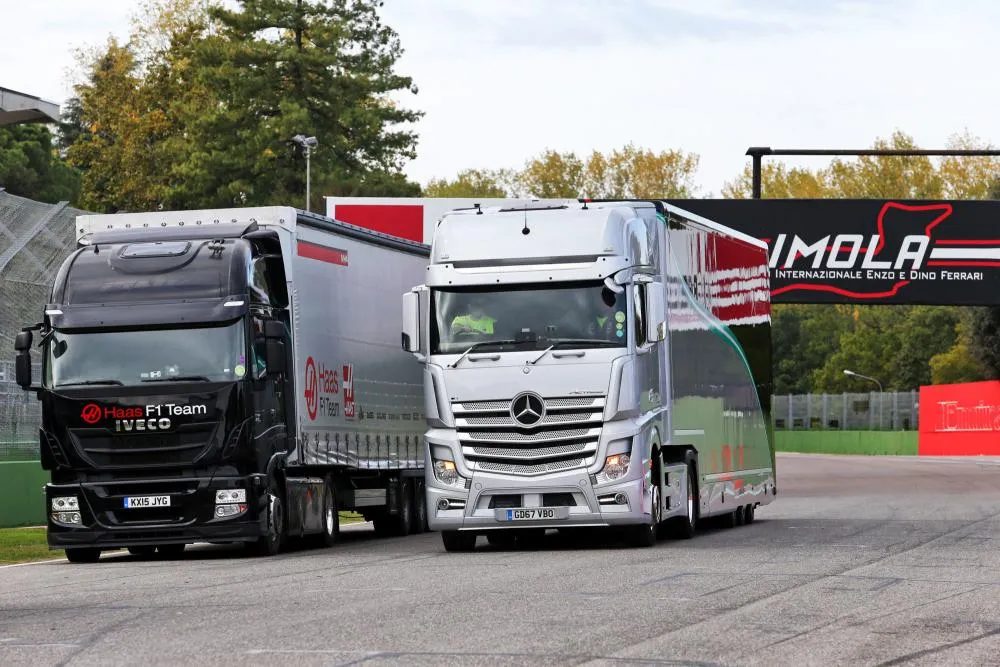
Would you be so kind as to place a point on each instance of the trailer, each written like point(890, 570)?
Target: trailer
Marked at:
point(226, 376)
point(592, 364)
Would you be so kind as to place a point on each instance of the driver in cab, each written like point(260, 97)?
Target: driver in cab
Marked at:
point(476, 321)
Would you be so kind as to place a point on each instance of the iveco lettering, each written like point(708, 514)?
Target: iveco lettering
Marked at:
point(601, 364)
point(220, 376)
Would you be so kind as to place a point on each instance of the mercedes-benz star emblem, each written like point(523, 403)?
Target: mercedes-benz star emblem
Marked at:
point(527, 409)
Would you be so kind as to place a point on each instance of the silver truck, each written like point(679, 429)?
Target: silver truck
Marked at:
point(592, 364)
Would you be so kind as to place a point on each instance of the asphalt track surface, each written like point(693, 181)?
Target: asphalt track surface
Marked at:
point(860, 561)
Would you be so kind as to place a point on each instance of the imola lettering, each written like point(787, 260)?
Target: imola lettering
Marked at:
point(843, 253)
point(956, 417)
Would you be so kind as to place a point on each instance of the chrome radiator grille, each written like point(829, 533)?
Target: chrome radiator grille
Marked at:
point(517, 437)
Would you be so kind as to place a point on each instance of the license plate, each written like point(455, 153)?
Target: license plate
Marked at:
point(132, 502)
point(534, 514)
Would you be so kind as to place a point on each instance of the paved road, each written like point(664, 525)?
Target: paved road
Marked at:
point(860, 561)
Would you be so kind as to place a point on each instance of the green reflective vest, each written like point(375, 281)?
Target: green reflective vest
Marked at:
point(468, 323)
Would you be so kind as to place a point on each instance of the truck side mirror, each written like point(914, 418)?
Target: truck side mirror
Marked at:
point(411, 322)
point(22, 369)
point(274, 329)
point(22, 342)
point(656, 306)
point(274, 357)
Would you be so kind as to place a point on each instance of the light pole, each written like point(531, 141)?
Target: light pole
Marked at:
point(307, 144)
point(881, 407)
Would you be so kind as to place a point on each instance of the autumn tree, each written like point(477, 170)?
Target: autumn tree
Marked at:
point(198, 108)
point(476, 183)
point(625, 173)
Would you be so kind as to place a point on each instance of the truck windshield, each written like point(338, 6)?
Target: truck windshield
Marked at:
point(207, 354)
point(528, 317)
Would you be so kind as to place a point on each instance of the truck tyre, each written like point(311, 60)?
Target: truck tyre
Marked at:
point(748, 515)
point(330, 517)
point(456, 540)
point(686, 524)
point(740, 515)
point(404, 520)
point(419, 519)
point(644, 535)
point(83, 555)
point(271, 543)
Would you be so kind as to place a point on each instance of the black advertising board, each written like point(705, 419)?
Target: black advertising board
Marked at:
point(871, 251)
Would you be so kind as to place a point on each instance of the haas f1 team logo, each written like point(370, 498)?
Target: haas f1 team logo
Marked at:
point(323, 390)
point(876, 266)
point(156, 417)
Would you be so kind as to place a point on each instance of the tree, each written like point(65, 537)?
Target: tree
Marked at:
point(284, 67)
point(198, 107)
point(30, 167)
point(475, 183)
point(625, 173)
point(957, 364)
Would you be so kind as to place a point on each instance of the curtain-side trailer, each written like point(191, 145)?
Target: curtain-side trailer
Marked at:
point(592, 364)
point(226, 376)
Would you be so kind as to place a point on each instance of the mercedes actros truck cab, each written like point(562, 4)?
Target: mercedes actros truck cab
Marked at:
point(592, 364)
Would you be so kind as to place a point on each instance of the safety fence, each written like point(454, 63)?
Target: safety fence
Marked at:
point(875, 411)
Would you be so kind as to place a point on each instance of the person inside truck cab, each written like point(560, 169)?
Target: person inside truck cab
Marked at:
point(475, 321)
point(602, 322)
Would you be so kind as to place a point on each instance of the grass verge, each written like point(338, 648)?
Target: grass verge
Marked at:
point(875, 443)
point(23, 545)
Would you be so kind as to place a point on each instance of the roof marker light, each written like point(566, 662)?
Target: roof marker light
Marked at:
point(54, 311)
point(230, 304)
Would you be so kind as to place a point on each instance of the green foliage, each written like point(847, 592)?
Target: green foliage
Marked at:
point(198, 108)
point(475, 183)
point(30, 167)
point(958, 364)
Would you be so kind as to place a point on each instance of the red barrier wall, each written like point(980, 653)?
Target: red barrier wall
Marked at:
point(960, 419)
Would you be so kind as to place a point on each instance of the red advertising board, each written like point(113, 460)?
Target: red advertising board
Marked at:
point(960, 419)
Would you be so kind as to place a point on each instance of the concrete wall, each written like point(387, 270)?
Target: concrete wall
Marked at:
point(848, 442)
point(22, 501)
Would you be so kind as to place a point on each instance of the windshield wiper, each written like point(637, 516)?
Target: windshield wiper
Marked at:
point(575, 342)
point(476, 346)
point(91, 382)
point(180, 378)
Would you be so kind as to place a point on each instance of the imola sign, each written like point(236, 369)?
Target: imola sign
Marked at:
point(871, 251)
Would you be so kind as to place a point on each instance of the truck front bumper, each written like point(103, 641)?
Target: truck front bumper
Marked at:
point(191, 516)
point(571, 498)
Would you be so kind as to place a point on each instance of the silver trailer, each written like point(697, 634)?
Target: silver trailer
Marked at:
point(229, 375)
point(592, 364)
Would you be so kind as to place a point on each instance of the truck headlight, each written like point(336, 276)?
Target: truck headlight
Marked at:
point(230, 496)
point(65, 504)
point(615, 467)
point(446, 473)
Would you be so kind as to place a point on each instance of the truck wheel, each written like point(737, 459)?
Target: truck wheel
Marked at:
point(271, 543)
point(419, 519)
point(404, 520)
point(83, 555)
point(644, 535)
point(142, 552)
point(685, 526)
point(456, 540)
point(331, 517)
point(739, 515)
point(748, 515)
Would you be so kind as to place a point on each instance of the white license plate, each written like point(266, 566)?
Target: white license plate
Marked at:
point(531, 514)
point(146, 501)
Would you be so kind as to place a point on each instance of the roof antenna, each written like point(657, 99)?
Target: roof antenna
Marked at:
point(525, 231)
point(479, 208)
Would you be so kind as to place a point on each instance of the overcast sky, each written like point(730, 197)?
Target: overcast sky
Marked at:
point(501, 80)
